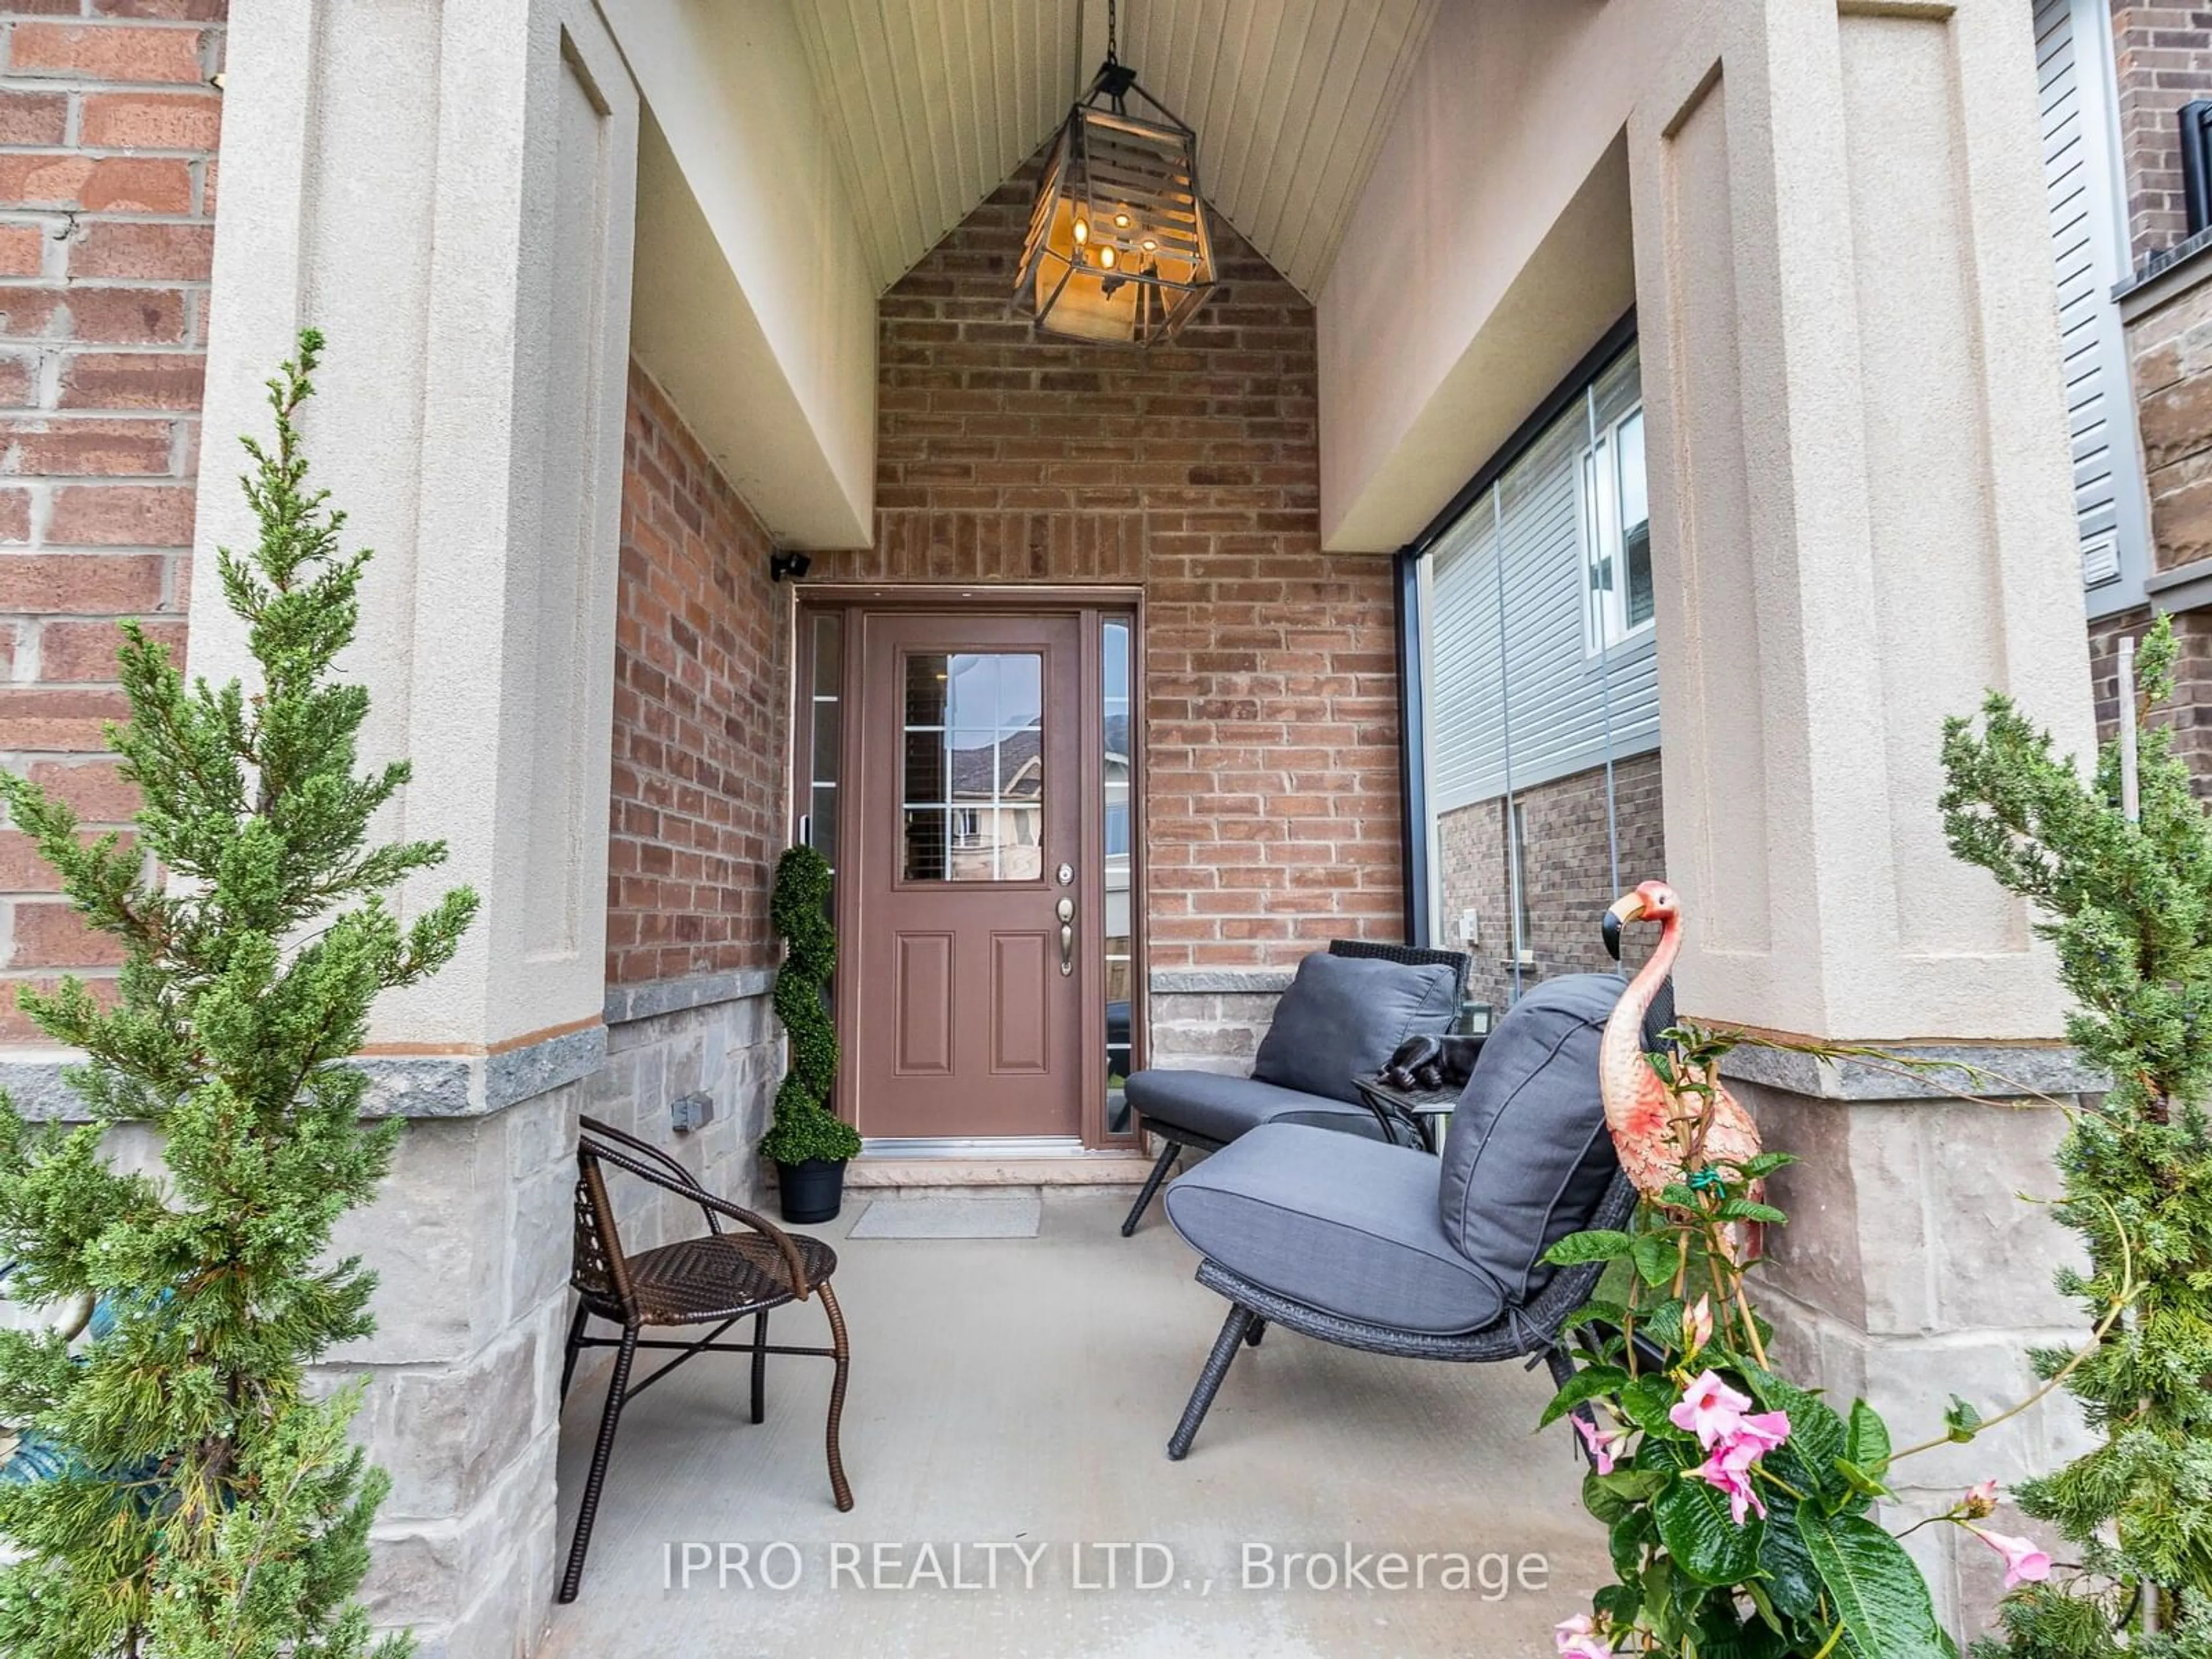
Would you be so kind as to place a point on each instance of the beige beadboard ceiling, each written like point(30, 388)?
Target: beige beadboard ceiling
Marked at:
point(931, 103)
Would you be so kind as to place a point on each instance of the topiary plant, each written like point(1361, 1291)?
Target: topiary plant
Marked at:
point(799, 910)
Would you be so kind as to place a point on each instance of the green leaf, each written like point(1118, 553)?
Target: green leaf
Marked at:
point(1633, 1485)
point(1859, 1481)
point(1745, 1209)
point(1604, 1504)
point(1627, 1540)
point(1618, 1603)
point(1599, 1244)
point(1961, 1422)
point(1765, 1164)
point(1585, 1384)
point(1791, 1582)
point(1866, 1439)
point(1817, 1437)
point(1647, 1402)
point(1693, 1519)
point(1874, 1588)
point(1596, 1313)
point(1656, 1258)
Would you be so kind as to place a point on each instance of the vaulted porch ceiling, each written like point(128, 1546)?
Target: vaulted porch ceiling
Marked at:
point(931, 104)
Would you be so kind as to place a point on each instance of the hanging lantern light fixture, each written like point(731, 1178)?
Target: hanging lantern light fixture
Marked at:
point(1117, 247)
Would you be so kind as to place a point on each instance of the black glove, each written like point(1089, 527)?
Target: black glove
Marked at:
point(1403, 1068)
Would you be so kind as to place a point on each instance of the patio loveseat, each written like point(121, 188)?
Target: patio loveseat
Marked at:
point(1347, 1010)
point(1388, 1250)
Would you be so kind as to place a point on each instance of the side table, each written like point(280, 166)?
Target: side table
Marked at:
point(1421, 1110)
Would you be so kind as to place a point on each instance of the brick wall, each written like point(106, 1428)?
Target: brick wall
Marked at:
point(1271, 717)
point(2162, 57)
point(1570, 873)
point(107, 194)
point(696, 813)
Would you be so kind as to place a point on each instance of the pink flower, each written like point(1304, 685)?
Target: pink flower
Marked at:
point(2023, 1563)
point(1697, 1324)
point(1577, 1638)
point(1709, 1409)
point(1601, 1441)
point(1732, 1475)
point(1728, 1468)
point(1981, 1499)
point(1761, 1432)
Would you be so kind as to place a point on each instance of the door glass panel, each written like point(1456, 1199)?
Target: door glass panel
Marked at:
point(972, 787)
point(1118, 775)
point(825, 715)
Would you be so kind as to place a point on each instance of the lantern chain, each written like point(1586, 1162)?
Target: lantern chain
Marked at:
point(1113, 32)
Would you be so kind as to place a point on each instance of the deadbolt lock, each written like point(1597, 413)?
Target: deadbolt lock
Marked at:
point(1065, 874)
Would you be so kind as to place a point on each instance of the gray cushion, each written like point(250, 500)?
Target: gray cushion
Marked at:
point(1344, 1016)
point(1219, 1109)
point(1347, 1226)
point(1528, 1156)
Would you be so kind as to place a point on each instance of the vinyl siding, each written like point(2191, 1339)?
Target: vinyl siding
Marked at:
point(1519, 699)
point(2073, 77)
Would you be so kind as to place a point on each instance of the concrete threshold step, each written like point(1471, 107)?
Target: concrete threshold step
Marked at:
point(983, 1172)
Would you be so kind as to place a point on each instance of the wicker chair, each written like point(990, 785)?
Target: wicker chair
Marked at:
point(716, 1279)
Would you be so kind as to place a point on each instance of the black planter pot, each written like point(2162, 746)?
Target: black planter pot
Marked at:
point(813, 1190)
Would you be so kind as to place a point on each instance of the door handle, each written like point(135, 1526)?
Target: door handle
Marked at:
point(1066, 913)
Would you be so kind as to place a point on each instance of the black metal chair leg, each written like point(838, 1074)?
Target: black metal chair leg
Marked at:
point(1556, 1360)
point(1255, 1330)
point(575, 1347)
point(1168, 1155)
point(1209, 1380)
point(760, 1366)
point(839, 1487)
point(601, 1451)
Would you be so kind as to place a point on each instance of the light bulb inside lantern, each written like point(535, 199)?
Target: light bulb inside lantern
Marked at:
point(1121, 220)
point(1082, 232)
point(1105, 258)
point(1148, 244)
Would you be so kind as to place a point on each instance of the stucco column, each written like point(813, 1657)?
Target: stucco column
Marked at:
point(1861, 518)
point(446, 190)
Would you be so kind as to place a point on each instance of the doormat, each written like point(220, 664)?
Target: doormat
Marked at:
point(1015, 1216)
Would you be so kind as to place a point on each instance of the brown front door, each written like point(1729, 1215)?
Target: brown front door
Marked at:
point(970, 1020)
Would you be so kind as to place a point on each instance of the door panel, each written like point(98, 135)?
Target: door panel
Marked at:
point(925, 1004)
point(1020, 1014)
point(969, 800)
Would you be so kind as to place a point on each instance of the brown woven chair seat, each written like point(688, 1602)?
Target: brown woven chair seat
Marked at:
point(721, 1276)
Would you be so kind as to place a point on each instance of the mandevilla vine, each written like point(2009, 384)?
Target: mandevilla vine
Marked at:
point(1737, 1501)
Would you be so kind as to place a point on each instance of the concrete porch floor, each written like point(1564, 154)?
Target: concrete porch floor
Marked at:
point(1023, 1390)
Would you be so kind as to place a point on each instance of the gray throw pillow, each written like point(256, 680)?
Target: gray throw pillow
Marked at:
point(1344, 1016)
point(1527, 1158)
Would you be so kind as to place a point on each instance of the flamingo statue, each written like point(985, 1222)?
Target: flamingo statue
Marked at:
point(1655, 1127)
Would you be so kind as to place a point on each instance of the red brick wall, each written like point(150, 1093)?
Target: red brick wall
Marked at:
point(1570, 871)
point(696, 815)
point(2162, 55)
point(1271, 718)
point(108, 193)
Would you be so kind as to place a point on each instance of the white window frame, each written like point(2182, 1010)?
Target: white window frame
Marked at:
point(1605, 609)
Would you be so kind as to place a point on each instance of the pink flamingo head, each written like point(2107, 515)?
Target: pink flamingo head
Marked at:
point(1648, 900)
